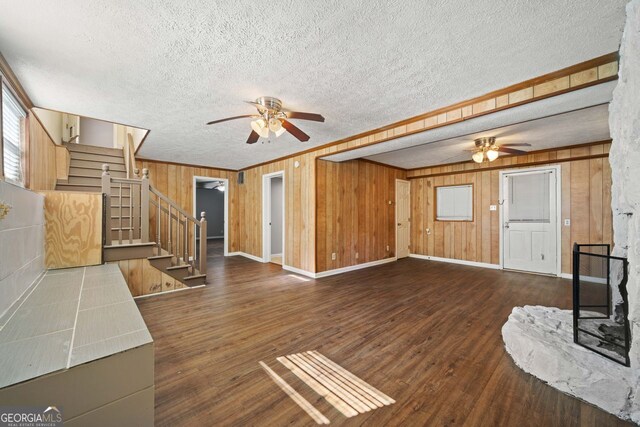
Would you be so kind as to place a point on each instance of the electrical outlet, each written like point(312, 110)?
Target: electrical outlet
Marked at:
point(333, 256)
point(357, 255)
point(428, 231)
point(567, 222)
point(388, 249)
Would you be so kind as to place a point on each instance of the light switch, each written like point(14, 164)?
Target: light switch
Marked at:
point(333, 256)
point(567, 222)
point(493, 208)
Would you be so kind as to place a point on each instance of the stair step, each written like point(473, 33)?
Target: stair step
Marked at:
point(195, 280)
point(94, 172)
point(94, 149)
point(161, 262)
point(179, 272)
point(126, 250)
point(78, 155)
point(115, 191)
point(178, 267)
point(97, 164)
point(84, 179)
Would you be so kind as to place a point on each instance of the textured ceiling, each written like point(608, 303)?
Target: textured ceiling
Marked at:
point(577, 127)
point(585, 119)
point(171, 66)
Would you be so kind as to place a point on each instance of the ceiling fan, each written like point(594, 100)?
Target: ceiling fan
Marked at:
point(487, 148)
point(272, 118)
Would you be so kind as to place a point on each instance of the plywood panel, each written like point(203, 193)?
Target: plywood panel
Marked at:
point(73, 224)
point(586, 201)
point(41, 168)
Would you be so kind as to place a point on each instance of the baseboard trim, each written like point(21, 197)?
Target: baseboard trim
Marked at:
point(169, 292)
point(299, 271)
point(354, 267)
point(458, 261)
point(246, 255)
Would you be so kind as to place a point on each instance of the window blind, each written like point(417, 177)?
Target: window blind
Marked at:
point(454, 203)
point(12, 128)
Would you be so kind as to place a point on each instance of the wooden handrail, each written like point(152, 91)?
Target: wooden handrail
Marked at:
point(173, 204)
point(129, 156)
point(176, 219)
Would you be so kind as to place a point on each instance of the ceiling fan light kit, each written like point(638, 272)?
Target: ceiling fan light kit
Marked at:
point(486, 148)
point(272, 118)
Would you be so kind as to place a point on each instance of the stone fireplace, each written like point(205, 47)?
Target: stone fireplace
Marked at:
point(540, 339)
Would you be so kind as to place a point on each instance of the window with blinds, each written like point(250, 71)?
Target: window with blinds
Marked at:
point(13, 118)
point(454, 203)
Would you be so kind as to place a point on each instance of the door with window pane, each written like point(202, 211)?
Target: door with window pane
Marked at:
point(530, 221)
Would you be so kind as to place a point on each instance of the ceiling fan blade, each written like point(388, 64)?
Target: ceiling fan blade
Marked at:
point(231, 118)
point(253, 137)
point(516, 144)
point(511, 150)
point(295, 131)
point(304, 116)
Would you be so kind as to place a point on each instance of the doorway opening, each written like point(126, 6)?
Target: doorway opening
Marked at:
point(273, 218)
point(403, 209)
point(211, 196)
point(530, 218)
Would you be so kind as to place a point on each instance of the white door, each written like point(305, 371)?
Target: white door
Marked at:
point(530, 221)
point(402, 218)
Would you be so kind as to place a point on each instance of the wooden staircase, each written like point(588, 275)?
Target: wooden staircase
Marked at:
point(135, 211)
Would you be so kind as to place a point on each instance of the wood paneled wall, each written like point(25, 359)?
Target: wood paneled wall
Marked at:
point(41, 155)
point(144, 279)
point(176, 182)
point(586, 201)
point(73, 229)
point(299, 186)
point(355, 213)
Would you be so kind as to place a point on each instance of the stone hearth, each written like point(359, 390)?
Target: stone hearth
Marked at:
point(540, 341)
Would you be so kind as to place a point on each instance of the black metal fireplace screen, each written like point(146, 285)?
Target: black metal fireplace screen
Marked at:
point(600, 302)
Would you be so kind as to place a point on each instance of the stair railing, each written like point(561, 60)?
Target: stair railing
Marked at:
point(129, 156)
point(131, 210)
point(174, 230)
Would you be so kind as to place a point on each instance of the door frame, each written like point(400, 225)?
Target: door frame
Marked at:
point(226, 209)
point(266, 212)
point(395, 223)
point(501, 201)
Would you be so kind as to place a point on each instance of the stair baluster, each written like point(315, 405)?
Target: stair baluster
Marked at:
point(172, 242)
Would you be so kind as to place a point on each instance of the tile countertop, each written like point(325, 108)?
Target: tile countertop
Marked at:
point(69, 317)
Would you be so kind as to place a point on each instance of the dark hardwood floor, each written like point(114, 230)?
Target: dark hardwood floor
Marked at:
point(425, 333)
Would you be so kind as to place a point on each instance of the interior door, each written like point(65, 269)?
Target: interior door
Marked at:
point(530, 221)
point(402, 218)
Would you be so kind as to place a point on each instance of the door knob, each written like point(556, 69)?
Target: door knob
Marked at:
point(506, 225)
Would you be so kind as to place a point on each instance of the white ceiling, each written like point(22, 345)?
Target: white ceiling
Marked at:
point(171, 66)
point(573, 118)
point(577, 127)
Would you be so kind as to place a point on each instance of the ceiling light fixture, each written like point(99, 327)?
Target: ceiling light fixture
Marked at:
point(486, 148)
point(478, 156)
point(272, 117)
point(260, 127)
point(492, 154)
